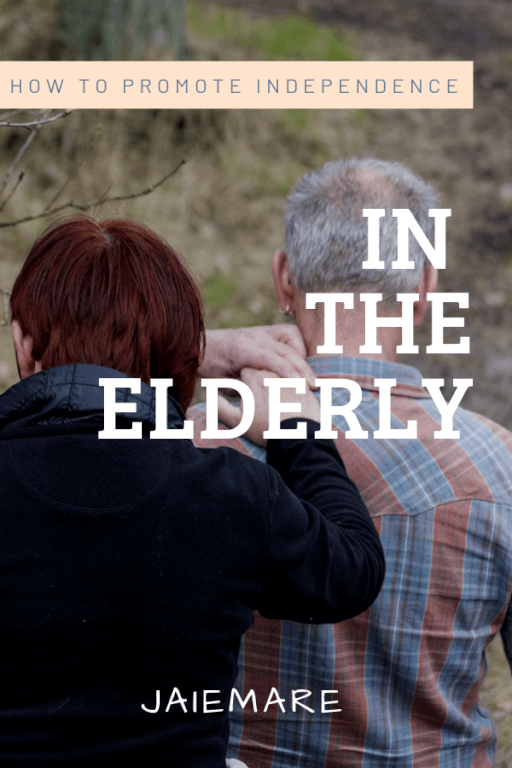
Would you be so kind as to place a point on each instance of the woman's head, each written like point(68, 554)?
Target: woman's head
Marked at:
point(111, 294)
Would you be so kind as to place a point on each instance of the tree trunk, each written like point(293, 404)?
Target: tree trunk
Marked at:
point(124, 30)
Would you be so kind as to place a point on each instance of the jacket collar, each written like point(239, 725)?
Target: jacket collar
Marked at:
point(70, 394)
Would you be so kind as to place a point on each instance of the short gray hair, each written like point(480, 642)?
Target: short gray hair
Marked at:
point(327, 236)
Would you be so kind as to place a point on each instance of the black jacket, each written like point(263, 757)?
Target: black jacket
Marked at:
point(131, 566)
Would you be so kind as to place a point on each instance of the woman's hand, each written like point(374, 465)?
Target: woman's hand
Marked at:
point(276, 348)
point(231, 415)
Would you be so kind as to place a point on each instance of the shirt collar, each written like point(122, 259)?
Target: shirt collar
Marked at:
point(365, 370)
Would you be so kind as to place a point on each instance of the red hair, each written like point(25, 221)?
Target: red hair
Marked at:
point(111, 294)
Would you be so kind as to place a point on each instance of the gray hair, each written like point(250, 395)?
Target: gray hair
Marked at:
point(327, 236)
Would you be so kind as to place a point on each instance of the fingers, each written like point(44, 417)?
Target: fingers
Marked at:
point(277, 348)
point(287, 334)
point(229, 414)
point(307, 404)
point(286, 363)
point(254, 377)
point(280, 349)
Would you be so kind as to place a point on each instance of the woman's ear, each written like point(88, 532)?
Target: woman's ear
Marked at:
point(23, 347)
point(286, 294)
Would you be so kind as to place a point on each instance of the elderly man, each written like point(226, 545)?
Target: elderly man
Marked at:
point(405, 675)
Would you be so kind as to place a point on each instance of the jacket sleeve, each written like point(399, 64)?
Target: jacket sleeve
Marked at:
point(326, 560)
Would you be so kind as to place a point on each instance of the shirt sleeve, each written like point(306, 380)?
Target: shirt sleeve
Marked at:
point(327, 563)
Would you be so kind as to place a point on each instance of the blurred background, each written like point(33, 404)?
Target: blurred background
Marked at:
point(223, 209)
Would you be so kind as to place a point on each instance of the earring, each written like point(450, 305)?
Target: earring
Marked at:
point(286, 311)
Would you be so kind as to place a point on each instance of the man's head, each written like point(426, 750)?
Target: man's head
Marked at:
point(110, 294)
point(326, 240)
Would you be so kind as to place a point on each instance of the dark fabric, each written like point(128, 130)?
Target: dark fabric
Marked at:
point(131, 566)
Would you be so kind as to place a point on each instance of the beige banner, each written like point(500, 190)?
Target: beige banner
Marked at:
point(236, 84)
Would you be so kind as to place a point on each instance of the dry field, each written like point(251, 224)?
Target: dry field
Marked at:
point(223, 209)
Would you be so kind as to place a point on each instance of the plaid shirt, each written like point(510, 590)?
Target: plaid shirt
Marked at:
point(407, 672)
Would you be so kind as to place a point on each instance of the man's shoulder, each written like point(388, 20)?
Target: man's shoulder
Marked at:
point(414, 475)
point(481, 436)
point(408, 477)
point(498, 430)
point(411, 476)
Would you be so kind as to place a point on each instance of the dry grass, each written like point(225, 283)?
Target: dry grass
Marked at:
point(223, 209)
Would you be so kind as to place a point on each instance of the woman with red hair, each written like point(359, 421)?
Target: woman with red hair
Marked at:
point(129, 569)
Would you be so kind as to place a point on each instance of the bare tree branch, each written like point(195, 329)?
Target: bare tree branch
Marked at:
point(33, 126)
point(7, 175)
point(32, 134)
point(13, 190)
point(100, 201)
point(35, 123)
point(145, 191)
point(6, 296)
point(14, 112)
point(57, 194)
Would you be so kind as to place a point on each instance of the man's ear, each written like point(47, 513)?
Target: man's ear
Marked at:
point(286, 293)
point(427, 284)
point(23, 348)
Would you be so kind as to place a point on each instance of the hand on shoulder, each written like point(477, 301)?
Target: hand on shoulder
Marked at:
point(306, 405)
point(276, 348)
